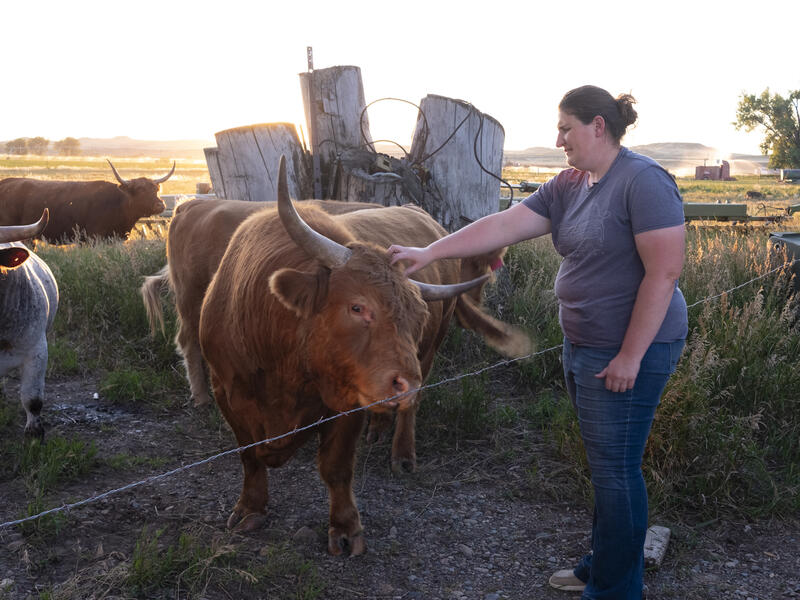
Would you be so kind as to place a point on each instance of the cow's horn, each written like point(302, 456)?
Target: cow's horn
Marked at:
point(15, 233)
point(329, 253)
point(167, 176)
point(432, 291)
point(120, 179)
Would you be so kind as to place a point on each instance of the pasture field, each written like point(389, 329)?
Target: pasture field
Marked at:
point(502, 496)
point(88, 168)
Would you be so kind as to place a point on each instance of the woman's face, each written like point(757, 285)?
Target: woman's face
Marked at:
point(579, 140)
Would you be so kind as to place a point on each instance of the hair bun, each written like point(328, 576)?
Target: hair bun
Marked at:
point(625, 104)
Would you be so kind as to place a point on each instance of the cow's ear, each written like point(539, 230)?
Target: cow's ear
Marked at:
point(13, 257)
point(299, 291)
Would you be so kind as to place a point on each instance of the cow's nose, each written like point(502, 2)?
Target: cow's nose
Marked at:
point(400, 385)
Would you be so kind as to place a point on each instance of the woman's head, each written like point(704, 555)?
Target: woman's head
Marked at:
point(589, 101)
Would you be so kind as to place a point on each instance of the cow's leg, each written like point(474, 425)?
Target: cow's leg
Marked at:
point(32, 390)
point(189, 347)
point(379, 426)
point(336, 460)
point(250, 510)
point(404, 453)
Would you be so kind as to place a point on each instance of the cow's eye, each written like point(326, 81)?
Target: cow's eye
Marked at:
point(356, 308)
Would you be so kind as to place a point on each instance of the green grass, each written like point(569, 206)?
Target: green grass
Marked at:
point(101, 325)
point(195, 562)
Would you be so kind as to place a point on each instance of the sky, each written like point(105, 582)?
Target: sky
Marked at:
point(176, 69)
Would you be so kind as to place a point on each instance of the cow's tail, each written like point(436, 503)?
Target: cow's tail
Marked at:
point(508, 340)
point(151, 291)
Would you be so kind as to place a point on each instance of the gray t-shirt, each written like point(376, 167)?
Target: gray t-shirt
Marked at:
point(593, 230)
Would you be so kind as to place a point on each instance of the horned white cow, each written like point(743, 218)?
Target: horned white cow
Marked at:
point(28, 303)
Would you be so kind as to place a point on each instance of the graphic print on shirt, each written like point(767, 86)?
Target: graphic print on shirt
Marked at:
point(582, 231)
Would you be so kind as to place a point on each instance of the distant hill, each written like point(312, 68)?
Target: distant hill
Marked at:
point(678, 157)
point(124, 146)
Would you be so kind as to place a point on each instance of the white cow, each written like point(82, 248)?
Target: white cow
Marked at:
point(28, 303)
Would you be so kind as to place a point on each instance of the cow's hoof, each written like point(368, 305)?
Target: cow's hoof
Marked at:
point(404, 465)
point(242, 523)
point(339, 542)
point(201, 400)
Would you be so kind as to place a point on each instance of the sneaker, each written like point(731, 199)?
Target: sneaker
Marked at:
point(566, 581)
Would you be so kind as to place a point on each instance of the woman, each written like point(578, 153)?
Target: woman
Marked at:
point(616, 218)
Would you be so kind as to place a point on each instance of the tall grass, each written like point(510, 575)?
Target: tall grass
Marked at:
point(726, 439)
point(101, 326)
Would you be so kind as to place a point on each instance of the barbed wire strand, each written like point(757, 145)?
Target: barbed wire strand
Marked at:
point(240, 449)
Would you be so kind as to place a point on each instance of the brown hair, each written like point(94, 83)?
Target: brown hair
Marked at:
point(589, 101)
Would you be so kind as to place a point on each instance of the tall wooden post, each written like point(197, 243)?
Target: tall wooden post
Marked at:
point(458, 139)
point(334, 106)
point(244, 166)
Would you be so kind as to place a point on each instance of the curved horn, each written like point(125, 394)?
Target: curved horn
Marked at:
point(329, 253)
point(15, 233)
point(431, 291)
point(120, 179)
point(167, 176)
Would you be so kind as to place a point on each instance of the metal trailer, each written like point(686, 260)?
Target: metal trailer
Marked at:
point(784, 246)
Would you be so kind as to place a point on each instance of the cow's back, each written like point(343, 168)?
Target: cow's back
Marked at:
point(28, 304)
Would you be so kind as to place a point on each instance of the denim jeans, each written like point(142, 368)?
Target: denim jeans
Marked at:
point(614, 427)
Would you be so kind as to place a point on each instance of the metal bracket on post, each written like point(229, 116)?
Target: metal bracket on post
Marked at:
point(312, 116)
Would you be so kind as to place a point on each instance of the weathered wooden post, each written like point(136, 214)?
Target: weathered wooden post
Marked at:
point(246, 161)
point(334, 106)
point(214, 172)
point(446, 143)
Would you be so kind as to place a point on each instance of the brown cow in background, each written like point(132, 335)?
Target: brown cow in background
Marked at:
point(86, 208)
point(306, 318)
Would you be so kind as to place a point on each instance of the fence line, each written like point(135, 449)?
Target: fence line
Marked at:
point(154, 478)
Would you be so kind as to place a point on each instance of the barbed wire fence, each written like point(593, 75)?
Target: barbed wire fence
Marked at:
point(240, 449)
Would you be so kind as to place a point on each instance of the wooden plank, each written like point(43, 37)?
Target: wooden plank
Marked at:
point(462, 191)
point(333, 109)
point(248, 159)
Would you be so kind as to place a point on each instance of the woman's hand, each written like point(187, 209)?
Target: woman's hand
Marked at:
point(418, 257)
point(620, 374)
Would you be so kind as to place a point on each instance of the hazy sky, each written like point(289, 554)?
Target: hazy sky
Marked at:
point(180, 69)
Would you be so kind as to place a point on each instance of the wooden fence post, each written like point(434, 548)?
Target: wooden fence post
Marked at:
point(246, 161)
point(334, 104)
point(459, 190)
point(214, 172)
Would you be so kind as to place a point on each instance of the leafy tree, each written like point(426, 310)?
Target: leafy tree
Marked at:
point(38, 145)
point(68, 147)
point(17, 146)
point(780, 118)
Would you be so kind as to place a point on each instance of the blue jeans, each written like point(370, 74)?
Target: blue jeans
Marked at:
point(614, 427)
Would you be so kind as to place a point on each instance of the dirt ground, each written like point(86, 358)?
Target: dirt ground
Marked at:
point(469, 524)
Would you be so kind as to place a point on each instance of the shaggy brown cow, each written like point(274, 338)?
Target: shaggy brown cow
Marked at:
point(88, 208)
point(305, 318)
point(198, 235)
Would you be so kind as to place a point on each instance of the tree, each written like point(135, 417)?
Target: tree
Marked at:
point(68, 147)
point(780, 118)
point(38, 145)
point(17, 146)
